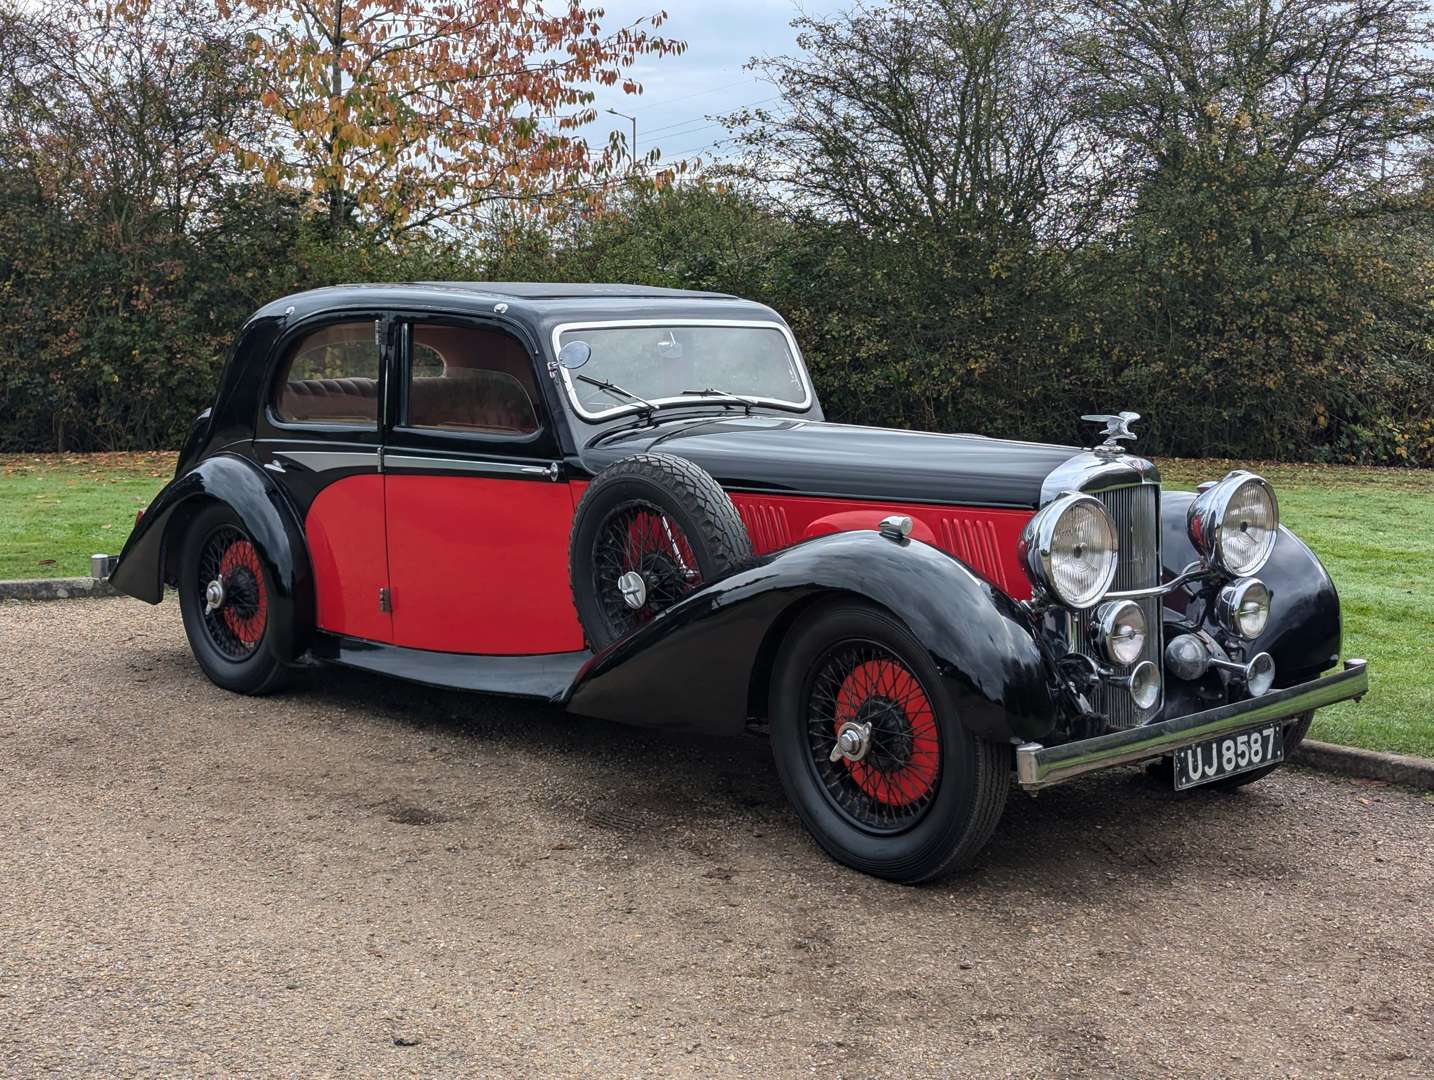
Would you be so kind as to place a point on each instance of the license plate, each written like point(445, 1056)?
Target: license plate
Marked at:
point(1229, 755)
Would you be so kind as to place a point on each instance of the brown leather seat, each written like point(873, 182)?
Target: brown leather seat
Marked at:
point(472, 400)
point(487, 382)
point(330, 399)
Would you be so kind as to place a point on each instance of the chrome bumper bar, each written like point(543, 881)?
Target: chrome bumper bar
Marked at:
point(1040, 766)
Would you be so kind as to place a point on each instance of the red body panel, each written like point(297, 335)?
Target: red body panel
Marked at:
point(984, 539)
point(345, 532)
point(480, 565)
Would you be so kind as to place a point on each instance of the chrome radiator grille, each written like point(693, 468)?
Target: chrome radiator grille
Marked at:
point(1136, 512)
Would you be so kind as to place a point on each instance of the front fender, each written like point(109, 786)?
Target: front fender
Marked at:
point(692, 667)
point(270, 521)
point(1303, 634)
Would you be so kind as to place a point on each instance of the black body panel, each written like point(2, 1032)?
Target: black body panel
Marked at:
point(267, 515)
point(1303, 635)
point(694, 666)
point(792, 455)
point(548, 677)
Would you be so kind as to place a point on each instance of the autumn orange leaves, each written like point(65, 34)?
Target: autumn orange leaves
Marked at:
point(405, 113)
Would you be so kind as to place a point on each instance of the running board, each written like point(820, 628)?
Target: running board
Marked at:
point(546, 677)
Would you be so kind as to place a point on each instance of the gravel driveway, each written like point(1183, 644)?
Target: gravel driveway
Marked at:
point(197, 883)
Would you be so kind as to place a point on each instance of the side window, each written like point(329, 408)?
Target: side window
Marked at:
point(331, 377)
point(463, 378)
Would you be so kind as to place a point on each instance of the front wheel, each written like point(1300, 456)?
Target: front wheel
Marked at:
point(872, 754)
point(224, 595)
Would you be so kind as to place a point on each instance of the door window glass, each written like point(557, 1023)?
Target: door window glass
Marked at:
point(464, 378)
point(332, 377)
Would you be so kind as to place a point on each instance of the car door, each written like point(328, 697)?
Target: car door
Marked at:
point(478, 509)
point(319, 433)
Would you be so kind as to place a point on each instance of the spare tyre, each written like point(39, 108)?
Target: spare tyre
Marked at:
point(651, 529)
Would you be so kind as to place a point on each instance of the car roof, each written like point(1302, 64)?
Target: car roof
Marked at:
point(570, 290)
point(539, 305)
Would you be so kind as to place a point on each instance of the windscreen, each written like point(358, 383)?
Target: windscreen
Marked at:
point(668, 362)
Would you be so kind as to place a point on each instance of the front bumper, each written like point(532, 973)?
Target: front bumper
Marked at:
point(1040, 766)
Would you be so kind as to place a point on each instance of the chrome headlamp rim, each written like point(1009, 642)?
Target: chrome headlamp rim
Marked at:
point(1109, 617)
point(1206, 521)
point(1231, 605)
point(1037, 557)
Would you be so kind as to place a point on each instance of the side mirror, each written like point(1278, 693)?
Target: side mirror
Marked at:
point(574, 355)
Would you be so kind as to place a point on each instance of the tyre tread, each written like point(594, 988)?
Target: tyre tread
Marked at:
point(724, 535)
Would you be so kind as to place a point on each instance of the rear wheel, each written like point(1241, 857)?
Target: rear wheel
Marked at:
point(224, 596)
point(872, 754)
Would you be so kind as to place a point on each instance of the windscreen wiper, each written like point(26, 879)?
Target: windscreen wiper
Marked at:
point(711, 391)
point(613, 388)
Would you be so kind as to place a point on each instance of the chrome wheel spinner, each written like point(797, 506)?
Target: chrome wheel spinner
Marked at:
point(633, 587)
point(853, 741)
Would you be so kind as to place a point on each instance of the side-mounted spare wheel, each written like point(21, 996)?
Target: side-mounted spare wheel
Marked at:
point(224, 596)
point(650, 529)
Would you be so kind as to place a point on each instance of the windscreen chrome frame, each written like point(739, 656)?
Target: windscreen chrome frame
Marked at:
point(686, 399)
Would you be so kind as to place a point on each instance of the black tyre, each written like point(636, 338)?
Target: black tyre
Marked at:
point(1295, 731)
point(224, 592)
point(650, 529)
point(920, 796)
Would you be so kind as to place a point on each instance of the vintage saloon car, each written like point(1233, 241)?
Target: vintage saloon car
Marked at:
point(626, 501)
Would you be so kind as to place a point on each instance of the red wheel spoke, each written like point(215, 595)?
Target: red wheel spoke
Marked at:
point(895, 781)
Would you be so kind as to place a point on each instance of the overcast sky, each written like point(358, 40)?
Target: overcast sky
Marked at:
point(680, 92)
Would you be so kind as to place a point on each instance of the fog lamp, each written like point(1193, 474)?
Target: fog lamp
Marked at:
point(1244, 607)
point(1120, 630)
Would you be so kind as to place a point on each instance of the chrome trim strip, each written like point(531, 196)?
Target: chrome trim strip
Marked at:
point(1039, 766)
point(1093, 473)
point(1193, 572)
point(326, 460)
point(547, 471)
point(616, 410)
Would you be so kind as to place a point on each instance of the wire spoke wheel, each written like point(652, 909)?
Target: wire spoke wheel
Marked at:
point(235, 604)
point(872, 736)
point(642, 564)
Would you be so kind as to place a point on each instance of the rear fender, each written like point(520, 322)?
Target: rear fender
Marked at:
point(151, 554)
point(702, 664)
point(1303, 634)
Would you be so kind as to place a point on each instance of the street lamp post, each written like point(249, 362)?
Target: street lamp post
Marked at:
point(632, 146)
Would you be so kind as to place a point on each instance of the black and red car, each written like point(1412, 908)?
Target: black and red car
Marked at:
point(626, 501)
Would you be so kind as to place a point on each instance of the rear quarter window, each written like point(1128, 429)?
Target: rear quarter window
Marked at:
point(331, 377)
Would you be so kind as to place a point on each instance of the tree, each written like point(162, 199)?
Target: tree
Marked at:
point(1302, 99)
point(411, 112)
point(1256, 142)
point(924, 116)
point(118, 106)
point(930, 156)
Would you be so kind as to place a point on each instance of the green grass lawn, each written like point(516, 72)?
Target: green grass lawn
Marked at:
point(56, 510)
point(1374, 529)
